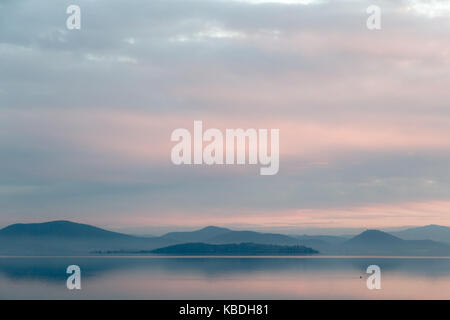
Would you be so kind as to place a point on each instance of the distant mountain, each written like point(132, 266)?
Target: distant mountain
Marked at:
point(325, 244)
point(375, 242)
point(253, 237)
point(68, 238)
point(243, 249)
point(328, 239)
point(430, 232)
point(196, 236)
point(58, 229)
point(374, 238)
point(217, 235)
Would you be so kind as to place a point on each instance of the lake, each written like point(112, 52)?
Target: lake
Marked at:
point(224, 278)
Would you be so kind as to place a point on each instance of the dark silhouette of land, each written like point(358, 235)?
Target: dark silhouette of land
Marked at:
point(241, 249)
point(430, 232)
point(67, 238)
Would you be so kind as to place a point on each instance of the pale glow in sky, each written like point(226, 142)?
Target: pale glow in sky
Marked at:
point(432, 8)
point(209, 33)
point(304, 2)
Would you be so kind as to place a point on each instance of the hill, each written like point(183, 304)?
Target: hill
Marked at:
point(375, 242)
point(58, 229)
point(374, 238)
point(196, 236)
point(253, 237)
point(430, 232)
point(325, 244)
point(217, 235)
point(68, 238)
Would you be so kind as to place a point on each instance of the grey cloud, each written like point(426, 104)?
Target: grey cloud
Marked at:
point(300, 62)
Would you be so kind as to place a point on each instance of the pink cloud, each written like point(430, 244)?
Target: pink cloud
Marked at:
point(143, 138)
point(368, 216)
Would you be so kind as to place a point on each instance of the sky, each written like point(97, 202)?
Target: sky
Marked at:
point(364, 116)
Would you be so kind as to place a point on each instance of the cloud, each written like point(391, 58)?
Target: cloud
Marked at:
point(86, 115)
point(431, 9)
point(288, 2)
point(363, 217)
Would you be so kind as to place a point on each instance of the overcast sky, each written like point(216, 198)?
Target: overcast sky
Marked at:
point(364, 116)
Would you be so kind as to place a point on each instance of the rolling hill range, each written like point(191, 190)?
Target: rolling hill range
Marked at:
point(68, 238)
point(255, 237)
point(375, 242)
point(59, 229)
point(216, 235)
point(430, 232)
point(201, 235)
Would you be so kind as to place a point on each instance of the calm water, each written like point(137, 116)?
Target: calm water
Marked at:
point(224, 278)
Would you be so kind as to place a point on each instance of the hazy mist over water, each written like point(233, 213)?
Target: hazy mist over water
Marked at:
point(225, 278)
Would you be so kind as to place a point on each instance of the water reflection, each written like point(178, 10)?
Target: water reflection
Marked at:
point(215, 278)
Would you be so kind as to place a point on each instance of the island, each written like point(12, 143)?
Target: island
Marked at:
point(204, 249)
